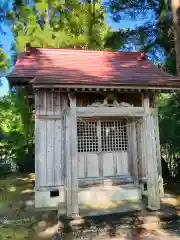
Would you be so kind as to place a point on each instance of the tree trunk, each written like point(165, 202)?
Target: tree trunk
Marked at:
point(47, 14)
point(175, 6)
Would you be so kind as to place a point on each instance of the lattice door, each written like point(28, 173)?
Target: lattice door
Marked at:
point(98, 140)
point(101, 135)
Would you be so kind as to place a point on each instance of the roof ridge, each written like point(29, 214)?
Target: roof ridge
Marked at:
point(87, 50)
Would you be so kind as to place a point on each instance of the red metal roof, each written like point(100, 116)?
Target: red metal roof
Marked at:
point(86, 67)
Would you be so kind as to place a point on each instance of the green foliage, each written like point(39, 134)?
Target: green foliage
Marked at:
point(18, 127)
point(170, 63)
point(73, 24)
point(169, 119)
point(151, 34)
point(4, 63)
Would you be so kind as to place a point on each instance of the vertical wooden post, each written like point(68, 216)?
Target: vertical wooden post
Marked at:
point(129, 135)
point(134, 152)
point(68, 163)
point(158, 152)
point(150, 155)
point(74, 159)
point(36, 136)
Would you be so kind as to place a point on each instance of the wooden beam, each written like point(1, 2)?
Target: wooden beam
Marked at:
point(130, 152)
point(49, 117)
point(74, 158)
point(134, 152)
point(105, 88)
point(158, 152)
point(111, 111)
point(150, 156)
point(68, 164)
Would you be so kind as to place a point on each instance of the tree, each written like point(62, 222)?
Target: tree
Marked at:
point(152, 36)
point(73, 24)
point(4, 62)
point(175, 5)
point(18, 128)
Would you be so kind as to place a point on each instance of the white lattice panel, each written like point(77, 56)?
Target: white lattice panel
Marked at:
point(112, 137)
point(87, 136)
point(102, 148)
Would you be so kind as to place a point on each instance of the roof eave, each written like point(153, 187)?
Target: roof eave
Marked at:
point(109, 87)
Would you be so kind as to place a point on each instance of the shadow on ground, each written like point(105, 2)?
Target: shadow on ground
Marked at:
point(19, 220)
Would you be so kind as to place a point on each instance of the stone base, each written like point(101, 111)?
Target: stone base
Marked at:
point(109, 199)
point(49, 197)
point(94, 200)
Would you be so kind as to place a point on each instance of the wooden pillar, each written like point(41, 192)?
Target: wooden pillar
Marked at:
point(74, 159)
point(158, 152)
point(130, 152)
point(150, 155)
point(68, 163)
point(142, 171)
point(134, 152)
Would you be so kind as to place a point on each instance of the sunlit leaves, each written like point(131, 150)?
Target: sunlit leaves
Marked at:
point(4, 63)
point(17, 126)
point(76, 24)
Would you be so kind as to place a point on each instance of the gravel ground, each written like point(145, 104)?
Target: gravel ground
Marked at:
point(113, 227)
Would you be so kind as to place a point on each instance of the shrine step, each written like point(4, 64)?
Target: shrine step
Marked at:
point(109, 199)
point(101, 181)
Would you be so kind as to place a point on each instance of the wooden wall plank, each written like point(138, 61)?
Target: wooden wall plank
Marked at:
point(81, 165)
point(49, 102)
point(134, 153)
point(129, 135)
point(41, 102)
point(37, 104)
point(108, 164)
point(92, 165)
point(50, 152)
point(142, 166)
point(58, 154)
point(40, 153)
point(57, 108)
point(37, 151)
point(122, 163)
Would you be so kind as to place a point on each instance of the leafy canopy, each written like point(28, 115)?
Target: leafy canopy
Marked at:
point(71, 24)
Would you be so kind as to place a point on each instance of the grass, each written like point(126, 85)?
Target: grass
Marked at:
point(15, 191)
point(16, 234)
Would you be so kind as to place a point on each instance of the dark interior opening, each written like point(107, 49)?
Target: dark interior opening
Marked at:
point(54, 193)
point(145, 186)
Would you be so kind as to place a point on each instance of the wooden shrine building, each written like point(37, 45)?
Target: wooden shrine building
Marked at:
point(97, 147)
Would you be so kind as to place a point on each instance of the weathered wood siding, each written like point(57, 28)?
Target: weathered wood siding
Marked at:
point(151, 156)
point(49, 127)
point(104, 164)
point(158, 154)
point(141, 150)
point(133, 159)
